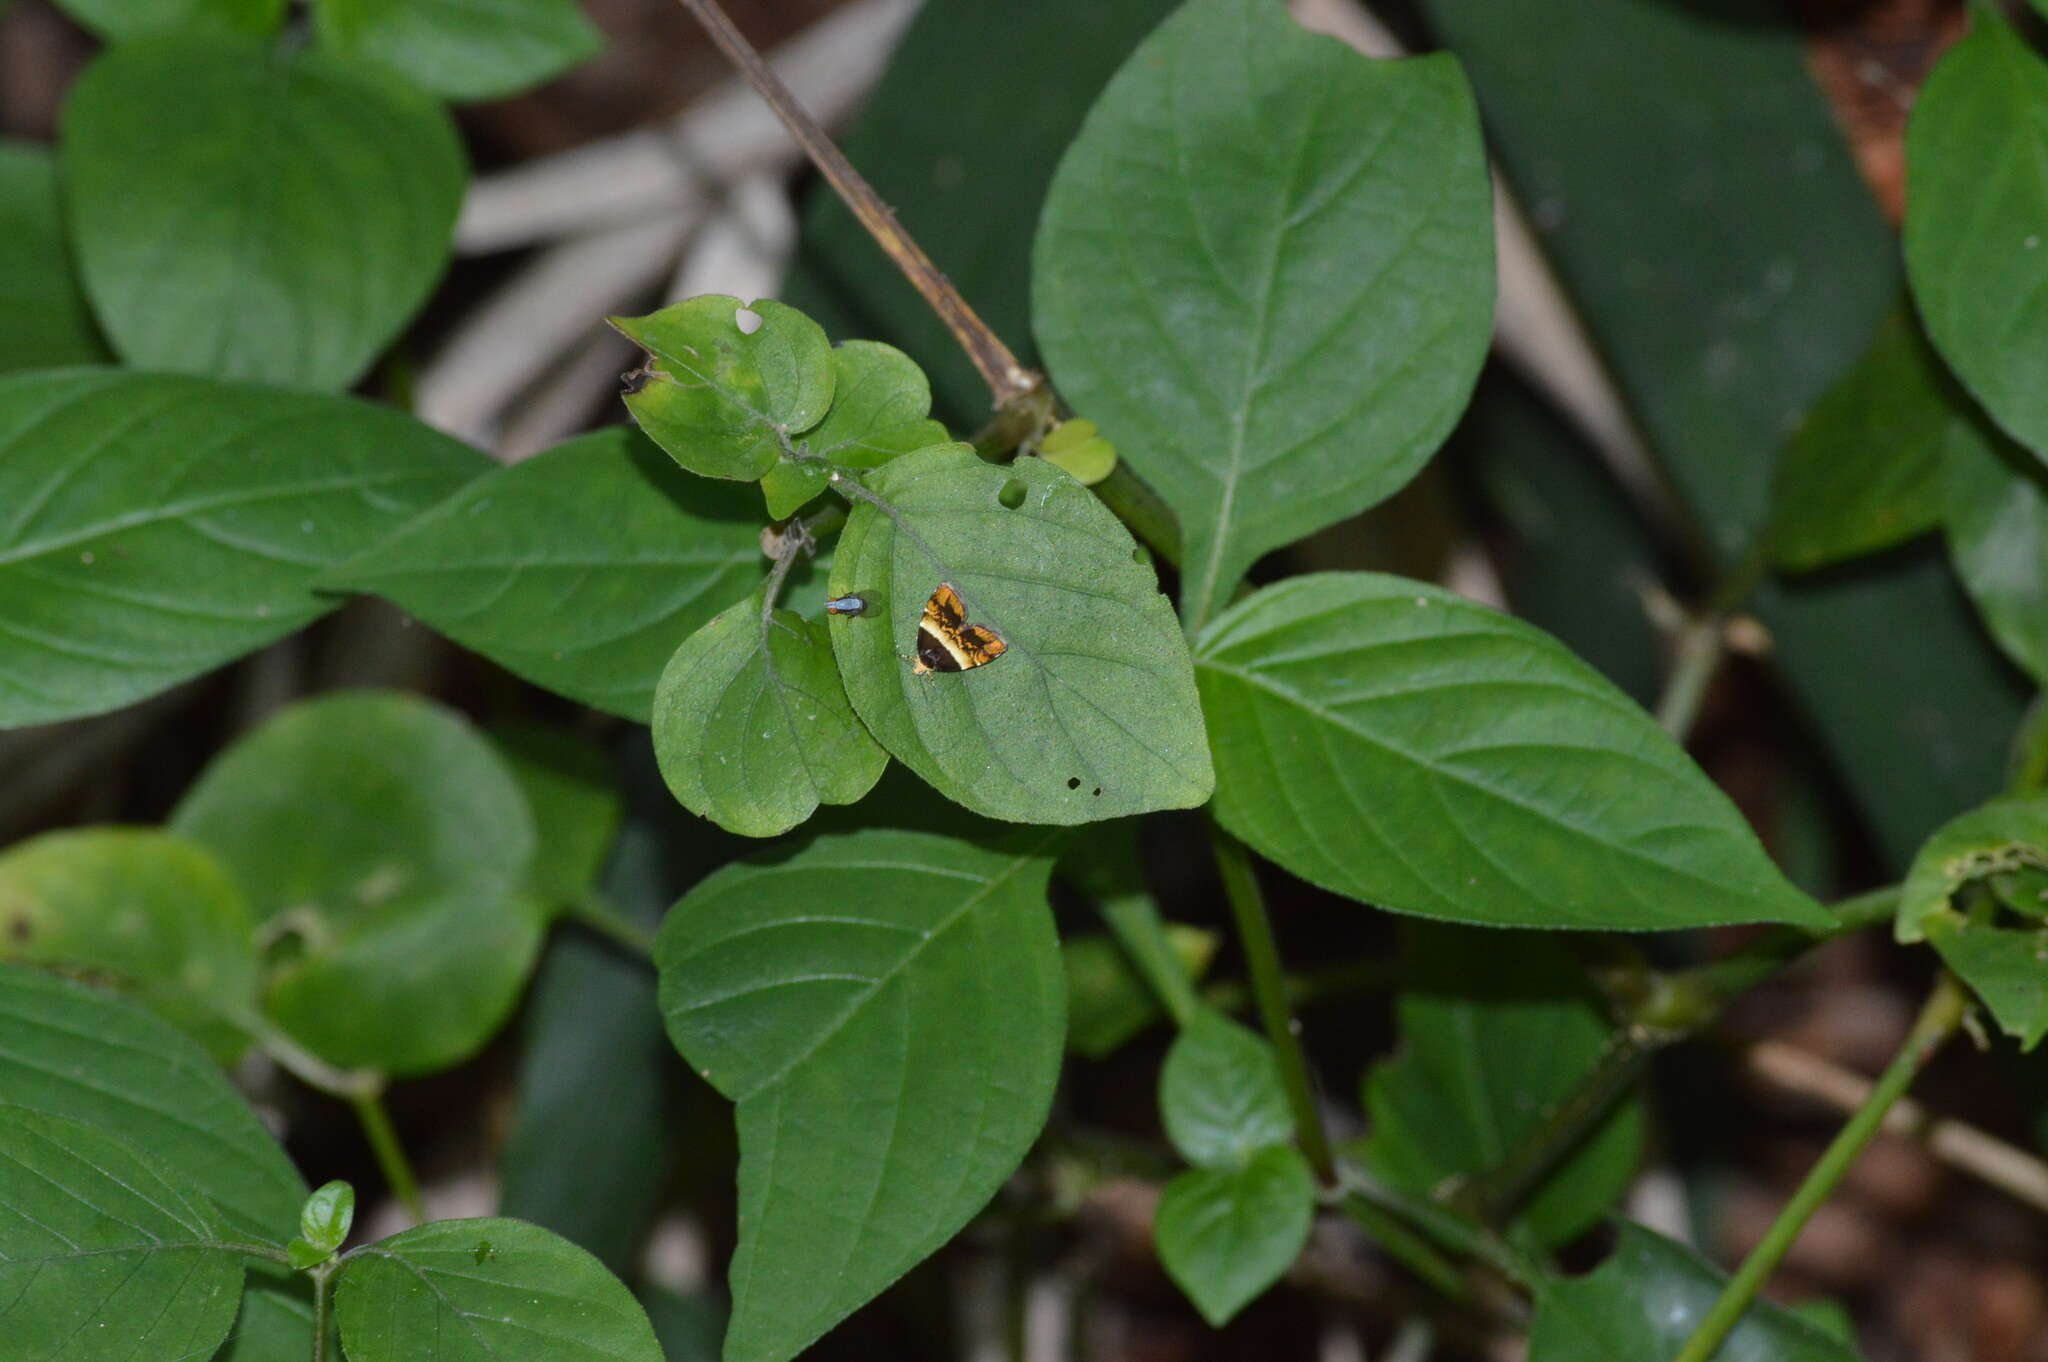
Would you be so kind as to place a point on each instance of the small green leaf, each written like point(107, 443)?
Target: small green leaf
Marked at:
point(73, 1051)
point(1863, 470)
point(752, 727)
point(1496, 1030)
point(245, 211)
point(1997, 506)
point(1977, 220)
point(579, 569)
point(569, 787)
point(302, 1254)
point(1393, 742)
point(401, 938)
point(1645, 1301)
point(1087, 457)
point(1220, 1095)
point(723, 400)
point(1108, 1000)
point(1266, 268)
point(2006, 966)
point(1090, 713)
point(461, 49)
point(103, 1258)
point(881, 407)
point(117, 20)
point(156, 912)
point(327, 1215)
point(886, 1009)
point(44, 321)
point(467, 1290)
point(158, 526)
point(1226, 1234)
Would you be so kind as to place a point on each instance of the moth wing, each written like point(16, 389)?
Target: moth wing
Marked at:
point(944, 613)
point(983, 645)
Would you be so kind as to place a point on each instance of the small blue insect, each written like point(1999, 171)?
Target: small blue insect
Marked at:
point(847, 605)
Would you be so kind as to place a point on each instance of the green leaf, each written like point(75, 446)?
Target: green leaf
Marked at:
point(156, 912)
point(462, 49)
point(75, 1052)
point(383, 845)
point(103, 1258)
point(1220, 1095)
point(276, 1319)
point(1646, 1300)
point(1091, 711)
point(881, 407)
point(1266, 269)
point(1976, 213)
point(579, 569)
point(158, 526)
point(1226, 1234)
point(570, 789)
point(117, 20)
point(722, 400)
point(1997, 509)
point(44, 321)
point(752, 727)
point(248, 212)
point(1863, 470)
point(1496, 1030)
point(471, 1290)
point(2002, 964)
point(885, 1008)
point(1395, 743)
point(327, 1215)
point(1075, 447)
point(1108, 999)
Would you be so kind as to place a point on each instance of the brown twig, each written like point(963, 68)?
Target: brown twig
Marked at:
point(1007, 379)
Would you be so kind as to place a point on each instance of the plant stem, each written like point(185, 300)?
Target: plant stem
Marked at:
point(1139, 929)
point(390, 1153)
point(1938, 1019)
point(1269, 989)
point(1408, 1248)
point(1702, 643)
point(323, 1307)
point(301, 1063)
point(1007, 379)
point(607, 919)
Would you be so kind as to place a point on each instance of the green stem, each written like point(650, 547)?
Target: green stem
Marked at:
point(1269, 989)
point(1500, 1192)
point(377, 1128)
point(1132, 500)
point(1702, 643)
point(607, 919)
point(301, 1063)
point(1938, 1020)
point(1135, 922)
point(1408, 1248)
point(323, 1307)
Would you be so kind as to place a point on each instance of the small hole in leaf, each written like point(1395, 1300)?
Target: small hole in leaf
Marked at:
point(1139, 556)
point(1073, 782)
point(748, 321)
point(1098, 792)
point(1012, 495)
point(20, 929)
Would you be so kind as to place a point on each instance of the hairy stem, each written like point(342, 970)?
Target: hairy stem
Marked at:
point(377, 1128)
point(1269, 989)
point(1938, 1020)
point(1007, 379)
point(323, 1308)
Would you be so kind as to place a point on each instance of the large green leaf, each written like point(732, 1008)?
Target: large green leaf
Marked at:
point(1226, 1234)
point(572, 792)
point(752, 727)
point(157, 912)
point(119, 19)
point(1645, 1301)
point(483, 1290)
point(886, 1009)
point(1496, 1031)
point(275, 1323)
point(1863, 470)
point(462, 49)
point(1976, 214)
point(102, 1257)
point(44, 321)
point(1996, 500)
point(249, 212)
point(75, 1052)
point(580, 569)
point(381, 840)
point(1091, 711)
point(2002, 842)
point(881, 407)
point(724, 400)
point(1722, 327)
point(153, 526)
point(1266, 270)
point(1220, 1096)
point(1396, 743)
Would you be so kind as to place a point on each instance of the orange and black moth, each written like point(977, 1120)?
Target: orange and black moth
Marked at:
point(946, 642)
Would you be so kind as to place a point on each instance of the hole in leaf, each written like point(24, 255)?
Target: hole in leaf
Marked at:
point(20, 929)
point(1073, 782)
point(1139, 556)
point(1012, 495)
point(747, 320)
point(1098, 791)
